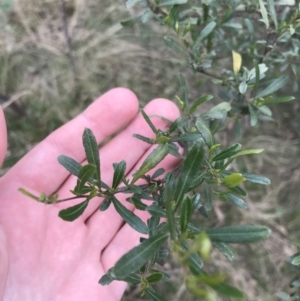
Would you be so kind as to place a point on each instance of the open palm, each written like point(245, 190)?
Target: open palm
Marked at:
point(45, 258)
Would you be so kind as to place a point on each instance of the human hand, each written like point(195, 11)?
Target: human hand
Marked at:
point(44, 258)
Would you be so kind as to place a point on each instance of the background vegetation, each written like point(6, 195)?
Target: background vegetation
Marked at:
point(57, 56)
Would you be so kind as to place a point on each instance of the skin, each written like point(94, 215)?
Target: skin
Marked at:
point(45, 258)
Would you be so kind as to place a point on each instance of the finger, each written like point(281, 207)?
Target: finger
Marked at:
point(124, 147)
point(3, 137)
point(107, 224)
point(39, 169)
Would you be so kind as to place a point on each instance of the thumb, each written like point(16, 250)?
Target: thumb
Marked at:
point(3, 136)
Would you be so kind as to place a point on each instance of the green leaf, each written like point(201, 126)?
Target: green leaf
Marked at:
point(156, 156)
point(154, 296)
point(296, 260)
point(158, 173)
point(256, 178)
point(248, 152)
point(207, 198)
point(119, 173)
point(85, 174)
point(69, 164)
point(225, 249)
point(172, 2)
point(130, 218)
point(190, 168)
point(235, 200)
point(155, 277)
point(155, 210)
point(272, 100)
point(175, 46)
point(174, 126)
point(243, 87)
point(274, 86)
point(253, 114)
point(186, 213)
point(170, 212)
point(233, 180)
point(272, 11)
point(105, 204)
point(132, 3)
point(71, 213)
point(138, 204)
point(131, 21)
point(145, 139)
point(218, 111)
point(137, 257)
point(184, 89)
point(106, 279)
point(153, 128)
point(92, 152)
point(204, 131)
point(228, 291)
point(228, 152)
point(238, 234)
point(200, 101)
point(264, 13)
point(194, 261)
point(204, 33)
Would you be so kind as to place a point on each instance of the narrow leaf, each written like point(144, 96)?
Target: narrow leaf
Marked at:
point(170, 211)
point(225, 249)
point(92, 152)
point(236, 201)
point(264, 13)
point(190, 168)
point(119, 173)
point(256, 178)
point(69, 164)
point(172, 2)
point(71, 213)
point(155, 277)
point(272, 11)
point(228, 152)
point(228, 291)
point(183, 88)
point(200, 101)
point(204, 33)
point(130, 218)
point(149, 122)
point(136, 257)
point(175, 46)
point(279, 100)
point(154, 296)
point(274, 86)
point(105, 280)
point(238, 234)
point(253, 114)
point(155, 210)
point(248, 152)
point(186, 213)
point(204, 131)
point(105, 204)
point(85, 174)
point(156, 156)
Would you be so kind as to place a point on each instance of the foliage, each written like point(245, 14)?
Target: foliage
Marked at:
point(263, 40)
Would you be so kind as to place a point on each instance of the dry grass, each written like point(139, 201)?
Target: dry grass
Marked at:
point(49, 76)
